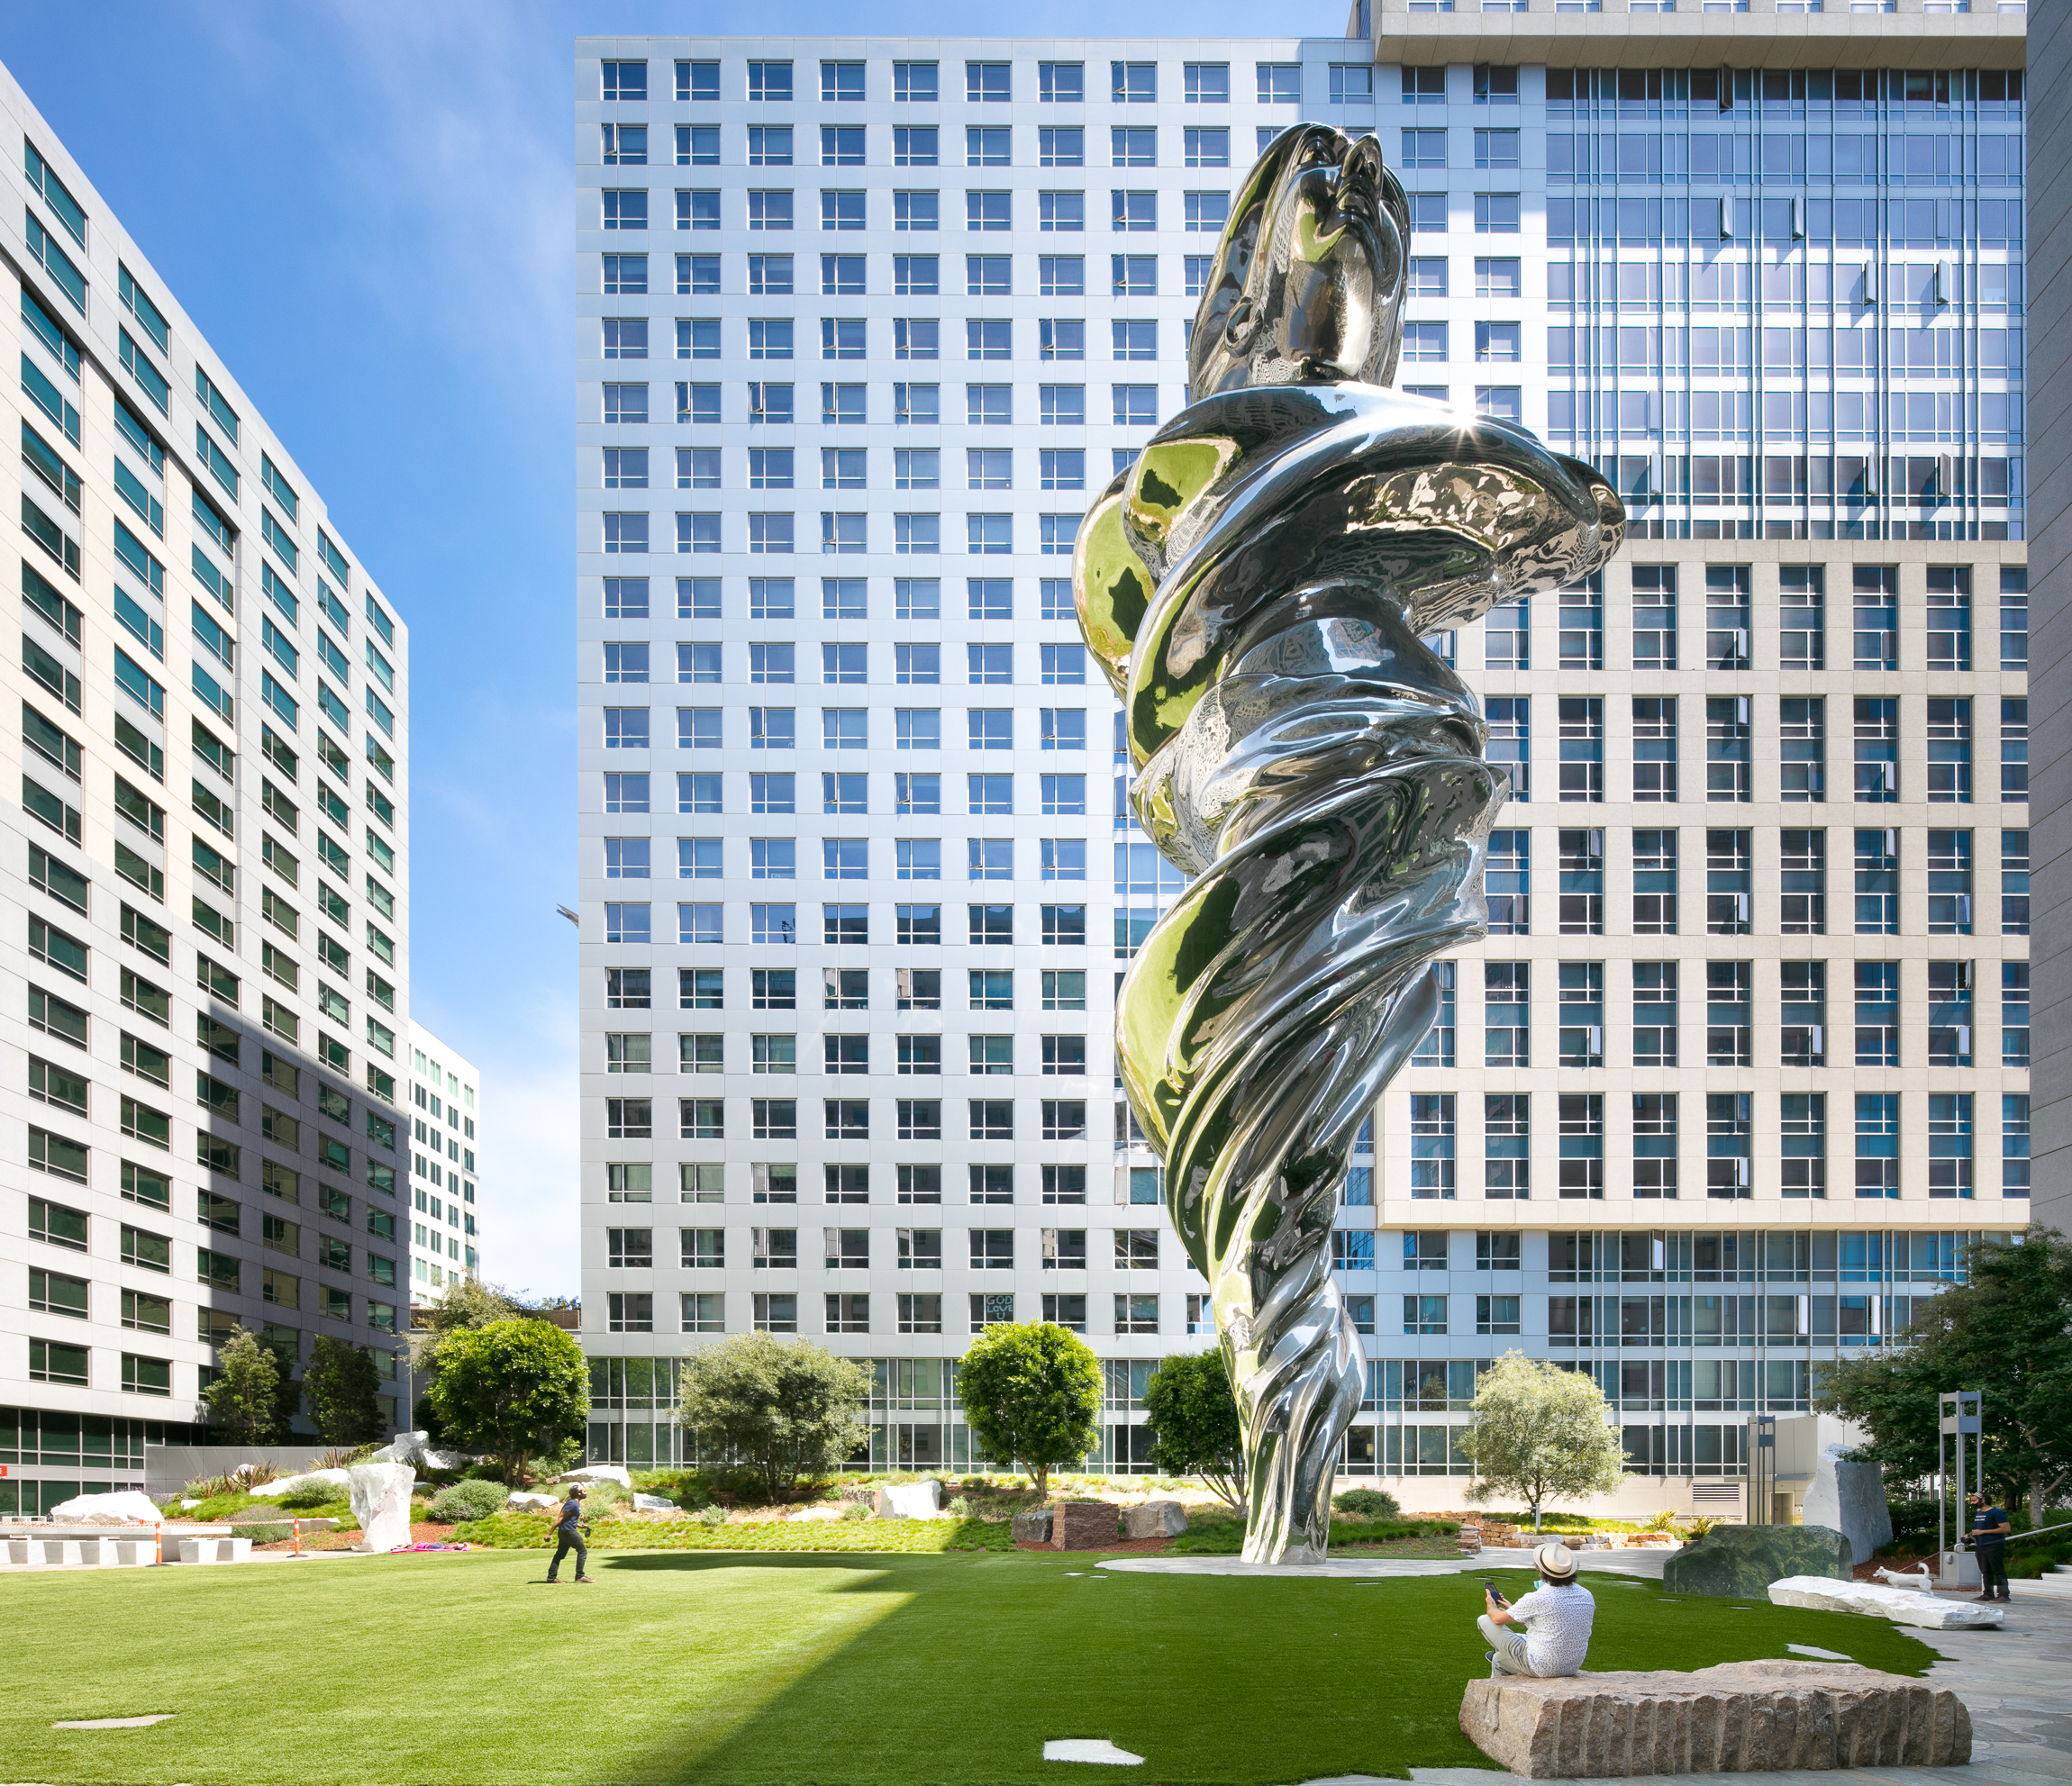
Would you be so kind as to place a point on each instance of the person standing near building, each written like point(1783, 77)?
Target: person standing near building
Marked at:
point(1989, 1530)
point(570, 1535)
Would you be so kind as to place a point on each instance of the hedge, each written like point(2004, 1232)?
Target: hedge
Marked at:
point(521, 1531)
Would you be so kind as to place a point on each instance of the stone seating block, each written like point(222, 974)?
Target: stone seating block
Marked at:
point(60, 1552)
point(1032, 1527)
point(1083, 1524)
point(128, 1553)
point(1736, 1718)
point(215, 1550)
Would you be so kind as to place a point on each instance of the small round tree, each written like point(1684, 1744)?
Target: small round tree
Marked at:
point(340, 1383)
point(1031, 1393)
point(1194, 1421)
point(1539, 1431)
point(516, 1388)
point(245, 1398)
point(786, 1408)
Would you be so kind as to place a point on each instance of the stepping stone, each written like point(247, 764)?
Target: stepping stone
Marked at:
point(112, 1723)
point(1090, 1749)
point(1816, 1651)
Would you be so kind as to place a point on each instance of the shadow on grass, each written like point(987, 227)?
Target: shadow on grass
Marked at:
point(974, 1664)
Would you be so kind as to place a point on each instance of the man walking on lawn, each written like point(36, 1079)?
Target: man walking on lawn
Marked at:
point(570, 1535)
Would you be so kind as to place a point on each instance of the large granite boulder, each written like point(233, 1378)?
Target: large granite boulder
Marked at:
point(380, 1497)
point(1155, 1519)
point(1739, 1562)
point(909, 1500)
point(1903, 1605)
point(1850, 1496)
point(1737, 1717)
point(1083, 1525)
point(598, 1473)
point(1034, 1528)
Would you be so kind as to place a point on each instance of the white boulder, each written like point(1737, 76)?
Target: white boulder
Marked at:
point(309, 1478)
point(653, 1503)
point(909, 1500)
point(124, 1504)
point(597, 1472)
point(380, 1497)
point(817, 1515)
point(533, 1500)
point(1924, 1611)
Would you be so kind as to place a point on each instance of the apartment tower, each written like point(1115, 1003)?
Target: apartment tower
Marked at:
point(208, 965)
point(863, 326)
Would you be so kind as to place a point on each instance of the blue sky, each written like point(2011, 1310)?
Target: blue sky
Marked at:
point(365, 207)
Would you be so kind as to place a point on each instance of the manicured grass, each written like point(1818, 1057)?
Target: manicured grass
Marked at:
point(784, 1670)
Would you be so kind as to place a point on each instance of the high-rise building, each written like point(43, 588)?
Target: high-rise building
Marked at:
point(207, 869)
point(1744, 1058)
point(445, 1105)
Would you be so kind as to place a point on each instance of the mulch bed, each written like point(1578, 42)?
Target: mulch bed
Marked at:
point(1120, 1548)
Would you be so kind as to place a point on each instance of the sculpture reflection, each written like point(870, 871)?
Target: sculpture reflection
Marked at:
point(1257, 587)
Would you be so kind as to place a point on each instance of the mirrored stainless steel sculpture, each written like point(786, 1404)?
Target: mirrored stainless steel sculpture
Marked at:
point(1258, 586)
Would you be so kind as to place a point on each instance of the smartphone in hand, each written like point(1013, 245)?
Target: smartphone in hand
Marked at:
point(1491, 1589)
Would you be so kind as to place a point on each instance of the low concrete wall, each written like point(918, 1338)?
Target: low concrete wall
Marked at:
point(169, 1468)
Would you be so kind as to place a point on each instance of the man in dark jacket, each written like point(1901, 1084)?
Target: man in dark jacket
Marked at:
point(1989, 1530)
point(570, 1532)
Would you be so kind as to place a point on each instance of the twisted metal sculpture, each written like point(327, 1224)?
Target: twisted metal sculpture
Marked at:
point(1257, 587)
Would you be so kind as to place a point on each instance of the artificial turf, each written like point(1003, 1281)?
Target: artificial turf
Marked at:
point(786, 1670)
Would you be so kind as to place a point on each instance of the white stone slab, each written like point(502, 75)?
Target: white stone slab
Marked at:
point(381, 1496)
point(1923, 1611)
point(653, 1503)
point(125, 1504)
point(112, 1723)
point(1098, 1749)
point(598, 1473)
point(1816, 1650)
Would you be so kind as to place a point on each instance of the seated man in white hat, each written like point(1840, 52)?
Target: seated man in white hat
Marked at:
point(1548, 1632)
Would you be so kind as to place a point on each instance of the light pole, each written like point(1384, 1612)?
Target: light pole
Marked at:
point(1959, 1420)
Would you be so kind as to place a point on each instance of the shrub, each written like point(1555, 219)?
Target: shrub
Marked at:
point(1664, 1521)
point(474, 1498)
point(482, 1473)
point(714, 1515)
point(790, 1406)
point(857, 1510)
point(311, 1494)
point(1368, 1503)
point(1699, 1524)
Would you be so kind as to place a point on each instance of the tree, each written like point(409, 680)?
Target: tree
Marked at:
point(340, 1383)
point(785, 1408)
point(466, 1306)
point(1194, 1422)
point(1031, 1393)
point(2006, 1330)
point(244, 1399)
point(514, 1387)
point(1539, 1431)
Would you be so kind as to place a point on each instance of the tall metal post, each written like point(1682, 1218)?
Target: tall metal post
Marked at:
point(1959, 1418)
point(1762, 1469)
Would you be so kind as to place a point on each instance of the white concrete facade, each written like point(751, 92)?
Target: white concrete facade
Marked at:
point(208, 967)
point(445, 1210)
point(956, 394)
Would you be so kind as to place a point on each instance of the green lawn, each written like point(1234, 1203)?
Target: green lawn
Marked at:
point(783, 1670)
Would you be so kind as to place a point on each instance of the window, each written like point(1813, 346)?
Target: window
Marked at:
point(1432, 1145)
point(1878, 882)
point(1728, 869)
point(1508, 878)
point(1581, 1011)
point(914, 83)
point(1654, 748)
point(1655, 1144)
point(1654, 1013)
point(1506, 1129)
point(2014, 884)
point(1949, 748)
point(1654, 617)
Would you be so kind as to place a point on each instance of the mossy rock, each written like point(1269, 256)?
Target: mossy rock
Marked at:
point(1741, 1562)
